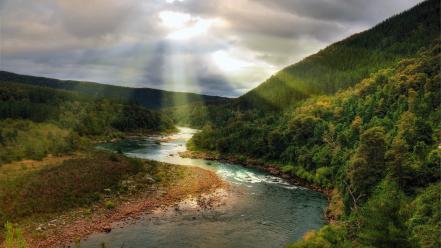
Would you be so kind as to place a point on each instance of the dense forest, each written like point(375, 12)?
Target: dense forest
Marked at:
point(36, 121)
point(374, 143)
point(147, 97)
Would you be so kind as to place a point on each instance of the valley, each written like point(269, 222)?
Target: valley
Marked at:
point(341, 149)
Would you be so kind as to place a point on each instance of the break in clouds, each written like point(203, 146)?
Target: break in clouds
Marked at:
point(216, 47)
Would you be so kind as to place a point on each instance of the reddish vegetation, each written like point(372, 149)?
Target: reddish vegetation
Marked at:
point(73, 183)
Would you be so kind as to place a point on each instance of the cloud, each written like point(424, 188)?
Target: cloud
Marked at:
point(346, 11)
point(221, 47)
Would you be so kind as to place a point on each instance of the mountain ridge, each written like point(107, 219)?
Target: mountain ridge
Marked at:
point(147, 97)
point(344, 63)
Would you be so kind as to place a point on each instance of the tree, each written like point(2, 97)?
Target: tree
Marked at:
point(424, 223)
point(382, 221)
point(366, 167)
point(397, 163)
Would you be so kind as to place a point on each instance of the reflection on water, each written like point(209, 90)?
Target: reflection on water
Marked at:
point(266, 211)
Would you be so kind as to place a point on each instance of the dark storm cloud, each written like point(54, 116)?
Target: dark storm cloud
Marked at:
point(232, 45)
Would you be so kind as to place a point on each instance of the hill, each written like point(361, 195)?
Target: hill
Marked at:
point(37, 121)
point(345, 63)
point(147, 97)
point(375, 145)
point(361, 119)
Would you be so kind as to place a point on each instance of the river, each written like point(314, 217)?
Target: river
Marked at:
point(266, 210)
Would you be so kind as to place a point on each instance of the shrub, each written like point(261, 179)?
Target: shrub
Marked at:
point(109, 204)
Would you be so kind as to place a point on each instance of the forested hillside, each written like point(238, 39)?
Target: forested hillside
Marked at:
point(345, 63)
point(361, 118)
point(376, 144)
point(149, 98)
point(37, 121)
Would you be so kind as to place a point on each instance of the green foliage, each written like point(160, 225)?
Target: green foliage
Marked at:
point(382, 221)
point(14, 237)
point(425, 222)
point(133, 117)
point(109, 204)
point(36, 121)
point(86, 116)
point(330, 236)
point(25, 139)
point(366, 168)
point(346, 132)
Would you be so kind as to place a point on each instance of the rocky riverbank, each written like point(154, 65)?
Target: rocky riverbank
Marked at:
point(143, 194)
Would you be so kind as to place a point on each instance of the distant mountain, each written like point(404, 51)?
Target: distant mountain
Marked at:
point(345, 63)
point(149, 98)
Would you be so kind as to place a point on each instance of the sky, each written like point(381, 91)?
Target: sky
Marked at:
point(215, 47)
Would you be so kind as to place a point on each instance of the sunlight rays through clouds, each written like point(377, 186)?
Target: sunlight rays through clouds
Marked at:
point(217, 47)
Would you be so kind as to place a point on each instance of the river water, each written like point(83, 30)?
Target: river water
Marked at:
point(266, 210)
